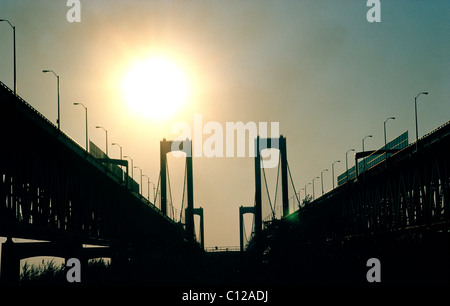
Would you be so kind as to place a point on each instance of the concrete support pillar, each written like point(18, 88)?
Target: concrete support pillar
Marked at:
point(164, 149)
point(189, 220)
point(10, 265)
point(284, 176)
point(120, 260)
point(258, 199)
point(199, 212)
point(243, 210)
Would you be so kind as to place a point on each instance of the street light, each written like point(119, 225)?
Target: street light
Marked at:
point(132, 176)
point(116, 144)
point(14, 51)
point(332, 169)
point(385, 141)
point(364, 160)
point(148, 187)
point(415, 105)
point(321, 178)
point(141, 176)
point(101, 127)
point(57, 78)
point(346, 163)
point(86, 111)
point(154, 192)
point(313, 187)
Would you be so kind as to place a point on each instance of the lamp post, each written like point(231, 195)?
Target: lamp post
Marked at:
point(154, 192)
point(314, 197)
point(57, 79)
point(101, 127)
point(332, 170)
point(14, 51)
point(385, 141)
point(346, 163)
point(120, 147)
point(141, 176)
point(364, 160)
point(132, 176)
point(415, 107)
point(148, 187)
point(321, 178)
point(87, 138)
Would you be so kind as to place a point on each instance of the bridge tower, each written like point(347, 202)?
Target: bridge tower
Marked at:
point(184, 146)
point(261, 144)
point(199, 212)
point(242, 211)
point(270, 143)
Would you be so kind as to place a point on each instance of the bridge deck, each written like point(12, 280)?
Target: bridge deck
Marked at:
point(51, 188)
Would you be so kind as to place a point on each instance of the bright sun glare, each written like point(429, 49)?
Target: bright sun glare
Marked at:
point(155, 88)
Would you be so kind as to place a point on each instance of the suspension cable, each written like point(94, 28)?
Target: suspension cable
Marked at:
point(244, 233)
point(267, 190)
point(157, 190)
point(276, 187)
point(292, 182)
point(184, 188)
point(253, 227)
point(170, 189)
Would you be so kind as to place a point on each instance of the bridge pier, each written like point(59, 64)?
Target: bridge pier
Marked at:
point(199, 212)
point(10, 264)
point(243, 210)
point(120, 255)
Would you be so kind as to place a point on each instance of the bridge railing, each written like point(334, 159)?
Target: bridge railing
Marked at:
point(50, 185)
point(71, 142)
point(411, 193)
point(223, 249)
point(28, 105)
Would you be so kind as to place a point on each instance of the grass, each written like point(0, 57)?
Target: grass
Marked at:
point(48, 273)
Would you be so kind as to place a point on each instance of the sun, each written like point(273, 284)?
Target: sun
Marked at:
point(155, 87)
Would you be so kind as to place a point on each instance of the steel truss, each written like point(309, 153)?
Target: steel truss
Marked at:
point(411, 192)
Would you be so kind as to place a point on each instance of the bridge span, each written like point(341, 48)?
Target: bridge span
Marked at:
point(398, 211)
point(52, 189)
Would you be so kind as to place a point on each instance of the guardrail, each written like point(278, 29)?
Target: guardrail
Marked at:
point(74, 145)
point(223, 249)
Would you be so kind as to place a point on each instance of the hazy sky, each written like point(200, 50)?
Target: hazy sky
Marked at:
point(319, 68)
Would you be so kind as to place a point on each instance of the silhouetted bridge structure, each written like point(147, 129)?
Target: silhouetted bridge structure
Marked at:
point(52, 189)
point(398, 210)
point(410, 190)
